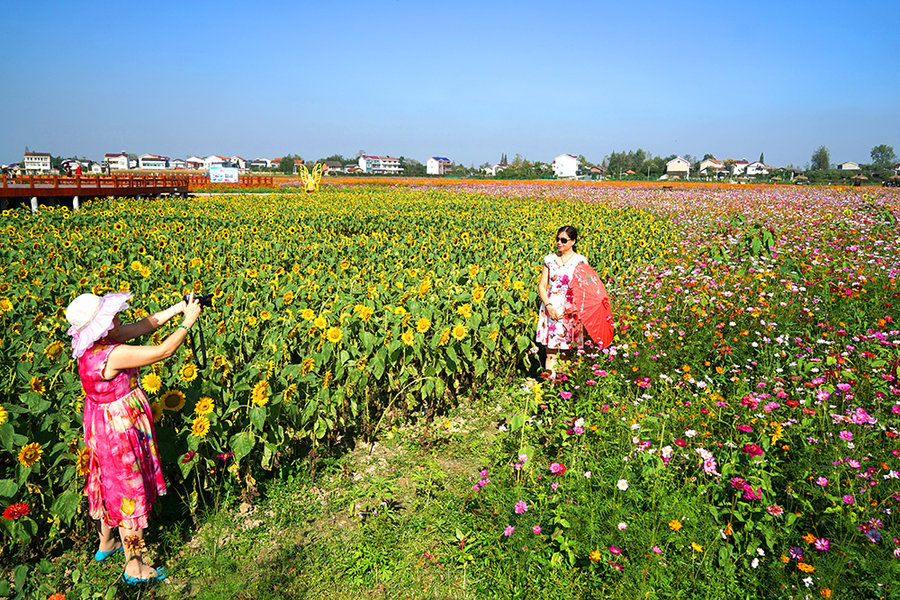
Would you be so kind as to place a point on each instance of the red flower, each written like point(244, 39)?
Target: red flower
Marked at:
point(753, 450)
point(188, 457)
point(14, 511)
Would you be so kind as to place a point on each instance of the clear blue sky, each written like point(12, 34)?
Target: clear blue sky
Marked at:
point(466, 80)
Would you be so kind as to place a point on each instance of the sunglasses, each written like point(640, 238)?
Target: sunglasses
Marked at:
point(563, 240)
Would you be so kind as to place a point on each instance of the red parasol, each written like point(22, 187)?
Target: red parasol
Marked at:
point(592, 303)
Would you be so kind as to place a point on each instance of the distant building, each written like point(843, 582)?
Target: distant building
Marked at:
point(678, 167)
point(153, 161)
point(241, 163)
point(380, 165)
point(756, 168)
point(848, 166)
point(261, 163)
point(566, 165)
point(195, 162)
point(438, 165)
point(117, 161)
point(36, 161)
point(332, 166)
point(177, 163)
point(711, 166)
point(739, 167)
point(214, 161)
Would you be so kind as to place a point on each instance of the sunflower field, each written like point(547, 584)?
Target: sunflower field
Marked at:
point(743, 422)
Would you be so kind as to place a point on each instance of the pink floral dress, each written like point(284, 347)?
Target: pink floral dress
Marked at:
point(124, 474)
point(566, 332)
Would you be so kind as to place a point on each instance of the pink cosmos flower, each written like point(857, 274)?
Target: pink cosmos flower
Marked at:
point(656, 550)
point(822, 544)
point(565, 395)
point(509, 530)
point(615, 550)
point(557, 468)
point(846, 435)
point(521, 507)
point(536, 529)
point(680, 442)
point(821, 481)
point(849, 499)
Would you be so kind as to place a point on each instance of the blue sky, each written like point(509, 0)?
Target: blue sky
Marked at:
point(466, 80)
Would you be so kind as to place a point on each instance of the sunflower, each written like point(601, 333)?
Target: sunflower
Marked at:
point(151, 382)
point(136, 265)
point(365, 312)
point(251, 321)
point(30, 454)
point(173, 400)
point(445, 337)
point(320, 322)
point(495, 333)
point(335, 335)
point(425, 286)
point(265, 315)
point(200, 427)
point(204, 406)
point(459, 332)
point(37, 385)
point(288, 297)
point(156, 408)
point(423, 325)
point(361, 363)
point(289, 393)
point(407, 337)
point(473, 270)
point(188, 372)
point(326, 381)
point(307, 366)
point(84, 461)
point(478, 294)
point(308, 314)
point(465, 310)
point(260, 394)
point(5, 305)
point(3, 415)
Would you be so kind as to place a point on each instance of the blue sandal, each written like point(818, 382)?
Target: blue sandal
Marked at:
point(100, 556)
point(161, 573)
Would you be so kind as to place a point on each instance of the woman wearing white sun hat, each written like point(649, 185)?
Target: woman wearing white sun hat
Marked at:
point(124, 477)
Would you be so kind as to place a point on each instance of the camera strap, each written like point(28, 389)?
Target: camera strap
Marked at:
point(202, 347)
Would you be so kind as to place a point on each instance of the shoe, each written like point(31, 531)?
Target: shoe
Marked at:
point(161, 573)
point(100, 556)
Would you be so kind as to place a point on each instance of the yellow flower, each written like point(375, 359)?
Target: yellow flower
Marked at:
point(195, 262)
point(151, 382)
point(478, 294)
point(595, 556)
point(188, 372)
point(84, 461)
point(3, 415)
point(204, 406)
point(518, 285)
point(30, 454)
point(728, 530)
point(307, 366)
point(260, 394)
point(156, 408)
point(288, 297)
point(326, 381)
point(308, 314)
point(825, 592)
point(465, 310)
point(675, 524)
point(251, 320)
point(289, 393)
point(459, 332)
point(445, 337)
point(53, 349)
point(364, 311)
point(345, 264)
point(809, 538)
point(37, 385)
point(320, 322)
point(335, 335)
point(361, 363)
point(423, 325)
point(697, 547)
point(495, 333)
point(407, 337)
point(173, 400)
point(200, 427)
point(5, 305)
point(806, 568)
point(425, 286)
point(473, 270)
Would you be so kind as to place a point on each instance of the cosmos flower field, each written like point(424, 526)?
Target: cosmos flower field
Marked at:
point(742, 428)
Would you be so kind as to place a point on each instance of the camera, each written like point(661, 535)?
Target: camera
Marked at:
point(204, 300)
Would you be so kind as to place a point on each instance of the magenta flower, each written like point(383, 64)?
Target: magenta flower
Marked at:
point(752, 450)
point(745, 428)
point(615, 550)
point(509, 530)
point(521, 507)
point(536, 529)
point(821, 481)
point(557, 468)
point(822, 544)
point(849, 499)
point(774, 510)
point(846, 436)
point(565, 395)
point(656, 550)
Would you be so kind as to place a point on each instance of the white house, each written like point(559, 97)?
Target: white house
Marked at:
point(332, 166)
point(36, 161)
point(215, 161)
point(261, 163)
point(380, 165)
point(177, 163)
point(438, 165)
point(194, 162)
point(241, 163)
point(566, 165)
point(711, 166)
point(117, 161)
point(756, 168)
point(848, 166)
point(739, 167)
point(678, 167)
point(153, 161)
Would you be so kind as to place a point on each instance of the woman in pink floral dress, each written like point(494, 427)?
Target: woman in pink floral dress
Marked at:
point(559, 327)
point(124, 475)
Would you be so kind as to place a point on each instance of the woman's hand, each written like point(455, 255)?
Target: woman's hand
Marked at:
point(552, 312)
point(191, 311)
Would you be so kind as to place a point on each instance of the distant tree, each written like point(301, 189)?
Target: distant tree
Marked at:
point(286, 164)
point(762, 157)
point(707, 155)
point(821, 159)
point(503, 159)
point(412, 167)
point(883, 155)
point(344, 160)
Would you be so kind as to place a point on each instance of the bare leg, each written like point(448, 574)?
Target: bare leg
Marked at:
point(550, 363)
point(108, 541)
point(134, 564)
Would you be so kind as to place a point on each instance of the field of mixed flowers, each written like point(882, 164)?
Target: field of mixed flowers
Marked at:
point(740, 432)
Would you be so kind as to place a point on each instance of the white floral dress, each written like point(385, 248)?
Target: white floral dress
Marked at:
point(567, 331)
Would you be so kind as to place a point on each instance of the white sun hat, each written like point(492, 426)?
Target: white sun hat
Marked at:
point(91, 318)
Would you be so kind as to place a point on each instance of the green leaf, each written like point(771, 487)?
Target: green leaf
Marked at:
point(241, 444)
point(258, 417)
point(20, 573)
point(65, 506)
point(8, 487)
